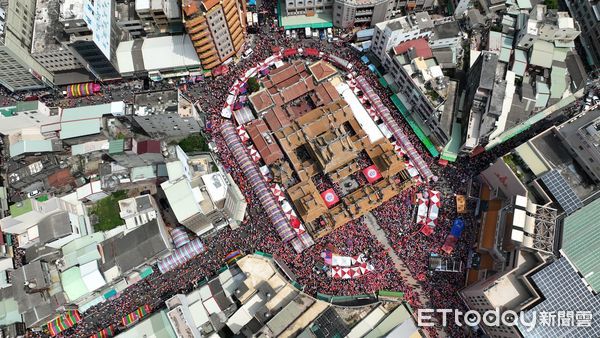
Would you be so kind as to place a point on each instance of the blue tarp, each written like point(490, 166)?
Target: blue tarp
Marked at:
point(457, 227)
point(365, 33)
point(364, 59)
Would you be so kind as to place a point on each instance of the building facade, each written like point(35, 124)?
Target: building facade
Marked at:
point(587, 14)
point(390, 33)
point(302, 7)
point(92, 35)
point(18, 70)
point(161, 16)
point(217, 29)
point(348, 13)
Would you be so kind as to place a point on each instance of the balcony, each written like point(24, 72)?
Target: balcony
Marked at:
point(210, 59)
point(211, 65)
point(207, 56)
point(194, 22)
point(228, 5)
point(200, 35)
point(204, 48)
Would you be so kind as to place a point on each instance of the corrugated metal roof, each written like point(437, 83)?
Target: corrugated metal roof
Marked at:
point(181, 198)
point(30, 146)
point(86, 112)
point(559, 82)
point(116, 146)
point(581, 235)
point(79, 128)
point(27, 106)
point(542, 54)
point(73, 284)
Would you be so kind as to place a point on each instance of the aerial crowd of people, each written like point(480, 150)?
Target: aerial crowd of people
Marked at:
point(395, 217)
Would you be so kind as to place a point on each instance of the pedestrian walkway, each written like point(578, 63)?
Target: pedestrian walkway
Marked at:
point(376, 231)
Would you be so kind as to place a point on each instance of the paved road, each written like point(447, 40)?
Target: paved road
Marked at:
point(376, 231)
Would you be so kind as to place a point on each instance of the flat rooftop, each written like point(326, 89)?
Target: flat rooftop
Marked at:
point(559, 158)
point(319, 20)
point(46, 26)
point(71, 10)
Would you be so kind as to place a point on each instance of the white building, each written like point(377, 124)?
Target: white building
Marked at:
point(159, 58)
point(203, 199)
point(54, 222)
point(393, 32)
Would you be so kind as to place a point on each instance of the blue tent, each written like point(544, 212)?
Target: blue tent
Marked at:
point(457, 227)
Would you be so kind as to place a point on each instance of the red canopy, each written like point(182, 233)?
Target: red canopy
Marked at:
point(290, 52)
point(330, 197)
point(372, 173)
point(311, 52)
point(426, 230)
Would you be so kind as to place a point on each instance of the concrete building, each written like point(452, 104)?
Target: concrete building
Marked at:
point(303, 7)
point(51, 223)
point(338, 13)
point(548, 25)
point(350, 13)
point(18, 70)
point(423, 88)
point(253, 298)
point(393, 32)
point(159, 16)
point(587, 15)
point(512, 274)
point(481, 79)
point(131, 153)
point(581, 136)
point(164, 114)
point(414, 5)
point(507, 290)
point(158, 57)
point(92, 35)
point(49, 47)
point(202, 197)
point(217, 29)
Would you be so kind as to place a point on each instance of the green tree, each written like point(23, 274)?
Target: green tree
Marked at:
point(193, 143)
point(253, 85)
point(552, 4)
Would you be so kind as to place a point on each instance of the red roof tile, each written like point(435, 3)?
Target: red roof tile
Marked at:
point(264, 142)
point(421, 48)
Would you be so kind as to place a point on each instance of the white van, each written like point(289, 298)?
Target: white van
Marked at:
point(247, 53)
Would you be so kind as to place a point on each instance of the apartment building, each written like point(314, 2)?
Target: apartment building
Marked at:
point(423, 89)
point(390, 33)
point(217, 29)
point(587, 14)
point(349, 13)
point(414, 5)
point(18, 70)
point(48, 45)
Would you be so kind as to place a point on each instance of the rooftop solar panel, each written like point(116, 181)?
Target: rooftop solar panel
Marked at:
point(562, 295)
point(562, 192)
